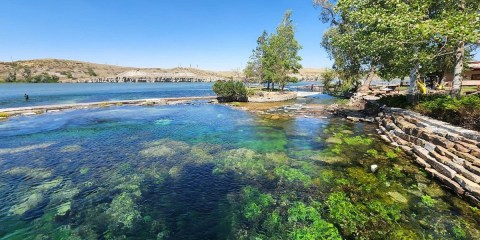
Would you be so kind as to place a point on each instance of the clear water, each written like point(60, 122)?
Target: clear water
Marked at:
point(207, 171)
point(12, 95)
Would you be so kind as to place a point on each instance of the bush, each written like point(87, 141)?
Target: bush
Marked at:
point(43, 78)
point(3, 115)
point(230, 91)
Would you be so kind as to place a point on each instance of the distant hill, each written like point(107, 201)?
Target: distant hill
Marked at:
point(51, 70)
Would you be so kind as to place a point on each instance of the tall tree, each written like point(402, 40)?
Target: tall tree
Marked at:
point(281, 57)
point(254, 69)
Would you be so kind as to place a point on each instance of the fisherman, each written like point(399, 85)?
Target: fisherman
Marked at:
point(26, 97)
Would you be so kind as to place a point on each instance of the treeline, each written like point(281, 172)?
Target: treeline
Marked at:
point(27, 76)
point(275, 58)
point(395, 39)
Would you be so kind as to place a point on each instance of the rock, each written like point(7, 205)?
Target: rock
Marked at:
point(334, 140)
point(373, 168)
point(474, 160)
point(445, 180)
point(27, 204)
point(461, 148)
point(422, 162)
point(442, 142)
point(63, 209)
point(472, 198)
point(444, 152)
point(468, 185)
point(429, 147)
point(385, 138)
point(464, 172)
point(397, 197)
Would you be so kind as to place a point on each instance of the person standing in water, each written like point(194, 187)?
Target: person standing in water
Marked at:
point(26, 97)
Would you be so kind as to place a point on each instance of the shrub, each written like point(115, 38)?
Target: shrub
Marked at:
point(3, 115)
point(230, 91)
point(43, 78)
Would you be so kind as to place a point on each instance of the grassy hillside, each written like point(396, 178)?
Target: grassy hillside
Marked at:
point(53, 70)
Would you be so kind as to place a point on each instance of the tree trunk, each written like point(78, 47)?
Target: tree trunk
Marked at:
point(413, 84)
point(458, 71)
point(268, 85)
point(366, 85)
point(273, 86)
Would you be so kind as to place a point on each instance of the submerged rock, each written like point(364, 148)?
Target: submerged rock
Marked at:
point(49, 185)
point(37, 173)
point(397, 197)
point(27, 204)
point(63, 209)
point(24, 148)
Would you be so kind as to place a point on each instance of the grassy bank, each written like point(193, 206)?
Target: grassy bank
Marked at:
point(464, 111)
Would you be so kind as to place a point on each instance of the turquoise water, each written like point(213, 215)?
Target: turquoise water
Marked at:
point(11, 95)
point(207, 171)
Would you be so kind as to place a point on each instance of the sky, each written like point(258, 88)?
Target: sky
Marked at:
point(208, 34)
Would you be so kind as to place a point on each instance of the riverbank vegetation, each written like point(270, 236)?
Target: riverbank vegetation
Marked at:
point(463, 111)
point(395, 39)
point(230, 91)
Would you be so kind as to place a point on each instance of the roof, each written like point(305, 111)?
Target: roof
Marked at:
point(474, 65)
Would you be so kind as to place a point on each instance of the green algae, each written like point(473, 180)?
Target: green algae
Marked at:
point(27, 204)
point(84, 170)
point(397, 197)
point(25, 148)
point(37, 173)
point(289, 174)
point(123, 210)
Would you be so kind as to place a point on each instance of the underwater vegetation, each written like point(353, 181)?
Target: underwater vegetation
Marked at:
point(165, 178)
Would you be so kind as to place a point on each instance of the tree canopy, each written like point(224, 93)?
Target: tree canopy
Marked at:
point(391, 38)
point(276, 58)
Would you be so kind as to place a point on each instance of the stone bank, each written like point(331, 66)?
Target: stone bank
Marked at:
point(448, 153)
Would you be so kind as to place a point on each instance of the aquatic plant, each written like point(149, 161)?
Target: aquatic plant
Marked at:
point(243, 161)
point(123, 210)
point(372, 152)
point(357, 140)
point(3, 115)
point(309, 224)
point(255, 202)
point(391, 154)
point(27, 203)
point(37, 173)
point(343, 213)
point(428, 201)
point(292, 175)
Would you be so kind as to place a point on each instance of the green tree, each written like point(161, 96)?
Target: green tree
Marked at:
point(254, 69)
point(281, 57)
point(395, 38)
point(327, 78)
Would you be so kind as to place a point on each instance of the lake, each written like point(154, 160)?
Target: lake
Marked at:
point(12, 95)
point(210, 171)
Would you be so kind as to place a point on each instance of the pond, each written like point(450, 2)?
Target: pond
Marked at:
point(208, 171)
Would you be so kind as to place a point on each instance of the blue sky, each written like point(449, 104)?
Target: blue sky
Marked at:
point(213, 34)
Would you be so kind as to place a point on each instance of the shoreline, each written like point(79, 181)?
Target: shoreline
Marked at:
point(35, 110)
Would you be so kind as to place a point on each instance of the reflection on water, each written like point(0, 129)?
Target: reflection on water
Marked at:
point(211, 172)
